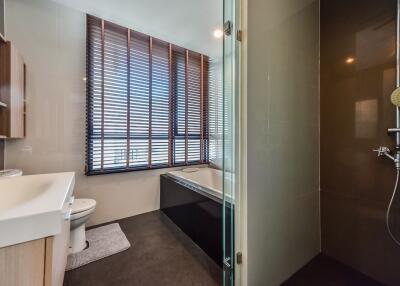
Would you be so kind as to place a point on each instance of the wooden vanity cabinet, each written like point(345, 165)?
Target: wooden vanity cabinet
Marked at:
point(56, 257)
point(12, 92)
point(39, 262)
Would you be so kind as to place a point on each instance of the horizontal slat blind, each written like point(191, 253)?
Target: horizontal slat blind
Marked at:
point(139, 100)
point(179, 91)
point(215, 114)
point(94, 92)
point(115, 94)
point(206, 109)
point(160, 103)
point(147, 101)
point(194, 108)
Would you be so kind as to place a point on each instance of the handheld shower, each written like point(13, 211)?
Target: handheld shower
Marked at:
point(384, 151)
point(395, 97)
point(394, 156)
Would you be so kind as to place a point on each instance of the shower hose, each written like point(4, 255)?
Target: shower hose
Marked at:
point(390, 207)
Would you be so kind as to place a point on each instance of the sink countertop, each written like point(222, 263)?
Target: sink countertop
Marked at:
point(34, 206)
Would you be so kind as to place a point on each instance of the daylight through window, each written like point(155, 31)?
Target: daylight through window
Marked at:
point(147, 101)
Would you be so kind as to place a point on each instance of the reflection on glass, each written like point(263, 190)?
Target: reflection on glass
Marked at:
point(350, 60)
point(366, 120)
point(374, 45)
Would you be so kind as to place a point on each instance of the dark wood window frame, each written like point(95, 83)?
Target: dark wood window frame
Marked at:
point(147, 102)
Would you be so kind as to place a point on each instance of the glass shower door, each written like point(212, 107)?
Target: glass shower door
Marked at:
point(230, 153)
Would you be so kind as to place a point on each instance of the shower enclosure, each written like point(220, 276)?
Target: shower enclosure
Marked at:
point(359, 72)
point(319, 79)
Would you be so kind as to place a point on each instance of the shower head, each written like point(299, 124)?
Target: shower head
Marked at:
point(395, 97)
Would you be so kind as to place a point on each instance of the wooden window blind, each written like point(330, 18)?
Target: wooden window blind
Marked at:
point(147, 101)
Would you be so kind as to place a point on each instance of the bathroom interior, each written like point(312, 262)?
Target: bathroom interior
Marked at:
point(199, 142)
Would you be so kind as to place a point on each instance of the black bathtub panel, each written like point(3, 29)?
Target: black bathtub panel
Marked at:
point(199, 216)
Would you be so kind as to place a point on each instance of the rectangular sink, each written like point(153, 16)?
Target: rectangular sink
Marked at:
point(34, 206)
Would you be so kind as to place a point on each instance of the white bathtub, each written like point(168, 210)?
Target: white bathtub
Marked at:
point(208, 179)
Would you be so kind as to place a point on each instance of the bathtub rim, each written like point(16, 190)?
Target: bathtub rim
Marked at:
point(198, 188)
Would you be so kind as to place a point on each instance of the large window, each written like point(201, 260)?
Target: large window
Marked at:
point(147, 101)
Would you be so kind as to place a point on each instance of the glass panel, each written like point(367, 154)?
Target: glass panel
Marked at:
point(229, 140)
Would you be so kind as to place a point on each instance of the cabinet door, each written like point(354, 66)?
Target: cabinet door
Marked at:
point(23, 264)
point(56, 256)
point(12, 92)
point(17, 100)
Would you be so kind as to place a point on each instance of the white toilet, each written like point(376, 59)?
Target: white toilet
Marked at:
point(81, 210)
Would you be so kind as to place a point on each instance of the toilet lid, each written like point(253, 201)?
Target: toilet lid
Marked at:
point(81, 205)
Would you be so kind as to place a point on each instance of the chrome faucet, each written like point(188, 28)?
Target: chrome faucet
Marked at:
point(385, 151)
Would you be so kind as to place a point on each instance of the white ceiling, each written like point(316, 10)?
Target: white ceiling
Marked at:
point(187, 23)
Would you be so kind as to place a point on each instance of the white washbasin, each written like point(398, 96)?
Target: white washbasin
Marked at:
point(34, 206)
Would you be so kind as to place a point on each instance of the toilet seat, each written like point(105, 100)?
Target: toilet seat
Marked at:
point(81, 214)
point(82, 207)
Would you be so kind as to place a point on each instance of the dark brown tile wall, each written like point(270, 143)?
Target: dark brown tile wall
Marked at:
point(355, 114)
point(2, 150)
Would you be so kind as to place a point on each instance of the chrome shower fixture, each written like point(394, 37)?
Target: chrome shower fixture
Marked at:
point(395, 97)
point(395, 157)
point(385, 151)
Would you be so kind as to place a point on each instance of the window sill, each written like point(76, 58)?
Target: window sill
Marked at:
point(144, 168)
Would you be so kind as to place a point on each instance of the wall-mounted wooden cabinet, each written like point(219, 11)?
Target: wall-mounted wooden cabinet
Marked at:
point(12, 92)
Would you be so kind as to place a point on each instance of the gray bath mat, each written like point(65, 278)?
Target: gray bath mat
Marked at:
point(103, 241)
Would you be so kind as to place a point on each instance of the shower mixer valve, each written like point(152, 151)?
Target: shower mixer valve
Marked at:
point(385, 151)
